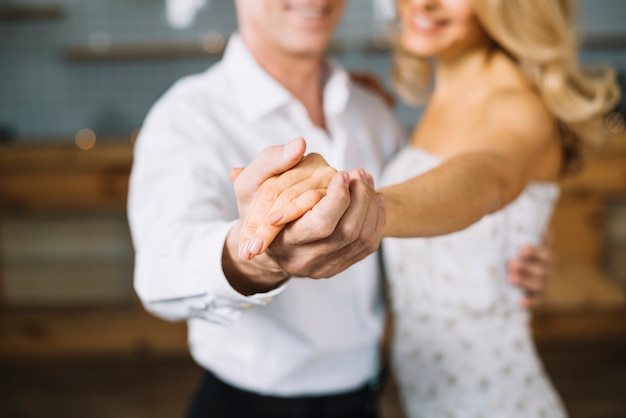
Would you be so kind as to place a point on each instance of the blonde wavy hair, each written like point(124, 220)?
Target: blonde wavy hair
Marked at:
point(540, 36)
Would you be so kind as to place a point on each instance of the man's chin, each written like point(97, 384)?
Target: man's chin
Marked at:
point(309, 49)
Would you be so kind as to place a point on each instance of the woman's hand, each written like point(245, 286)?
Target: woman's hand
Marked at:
point(533, 270)
point(344, 227)
point(283, 198)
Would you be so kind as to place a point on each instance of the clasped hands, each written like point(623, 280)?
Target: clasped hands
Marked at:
point(314, 221)
point(311, 219)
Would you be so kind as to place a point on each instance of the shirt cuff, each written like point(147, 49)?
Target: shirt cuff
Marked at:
point(222, 298)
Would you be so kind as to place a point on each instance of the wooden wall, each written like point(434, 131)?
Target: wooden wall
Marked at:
point(63, 230)
point(65, 245)
point(63, 213)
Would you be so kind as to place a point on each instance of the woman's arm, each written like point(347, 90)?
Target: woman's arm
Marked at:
point(517, 143)
point(450, 197)
point(482, 175)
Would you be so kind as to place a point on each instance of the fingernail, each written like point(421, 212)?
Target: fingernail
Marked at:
point(382, 201)
point(346, 178)
point(291, 148)
point(255, 247)
point(243, 249)
point(366, 178)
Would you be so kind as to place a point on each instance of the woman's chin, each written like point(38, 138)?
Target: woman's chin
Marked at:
point(420, 48)
point(423, 53)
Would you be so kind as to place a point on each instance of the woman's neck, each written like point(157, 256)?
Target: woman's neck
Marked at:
point(463, 72)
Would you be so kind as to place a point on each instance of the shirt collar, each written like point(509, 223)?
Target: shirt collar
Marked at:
point(336, 89)
point(258, 93)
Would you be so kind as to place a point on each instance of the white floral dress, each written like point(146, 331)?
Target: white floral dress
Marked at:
point(462, 346)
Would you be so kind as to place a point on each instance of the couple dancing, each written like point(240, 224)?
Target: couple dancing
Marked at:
point(505, 118)
point(508, 113)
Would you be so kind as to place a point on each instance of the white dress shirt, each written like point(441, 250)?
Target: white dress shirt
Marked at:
point(308, 336)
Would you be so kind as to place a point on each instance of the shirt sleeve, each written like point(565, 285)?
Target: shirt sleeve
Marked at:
point(181, 206)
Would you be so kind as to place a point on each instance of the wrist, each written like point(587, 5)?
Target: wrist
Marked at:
point(259, 275)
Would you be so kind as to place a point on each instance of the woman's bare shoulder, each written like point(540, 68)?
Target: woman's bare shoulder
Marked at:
point(530, 129)
point(520, 111)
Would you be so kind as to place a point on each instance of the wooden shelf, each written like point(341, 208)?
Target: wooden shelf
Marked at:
point(579, 286)
point(49, 333)
point(53, 333)
point(591, 42)
point(604, 41)
point(14, 13)
point(605, 173)
point(139, 52)
point(153, 52)
point(582, 302)
point(579, 326)
point(61, 178)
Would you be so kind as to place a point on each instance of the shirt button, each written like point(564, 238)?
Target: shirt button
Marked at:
point(267, 299)
point(246, 306)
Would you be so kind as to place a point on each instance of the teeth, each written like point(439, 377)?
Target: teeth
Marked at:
point(423, 22)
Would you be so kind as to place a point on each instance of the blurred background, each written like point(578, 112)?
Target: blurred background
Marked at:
point(77, 77)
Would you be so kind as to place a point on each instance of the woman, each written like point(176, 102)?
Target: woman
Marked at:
point(509, 111)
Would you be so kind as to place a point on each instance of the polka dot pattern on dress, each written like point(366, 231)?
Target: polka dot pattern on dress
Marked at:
point(461, 345)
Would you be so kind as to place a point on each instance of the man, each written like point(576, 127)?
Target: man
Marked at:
point(273, 342)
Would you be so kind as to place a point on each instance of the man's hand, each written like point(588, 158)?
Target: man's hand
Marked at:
point(532, 272)
point(263, 274)
point(284, 198)
point(344, 227)
point(270, 162)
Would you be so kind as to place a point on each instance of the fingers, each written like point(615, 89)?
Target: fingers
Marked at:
point(527, 277)
point(294, 208)
point(532, 272)
point(294, 201)
point(541, 255)
point(360, 230)
point(234, 173)
point(327, 248)
point(344, 217)
point(270, 162)
point(258, 235)
point(366, 242)
point(317, 225)
point(530, 281)
point(321, 221)
point(530, 300)
point(284, 198)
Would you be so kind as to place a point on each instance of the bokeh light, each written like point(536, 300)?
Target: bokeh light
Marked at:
point(213, 42)
point(85, 139)
point(100, 42)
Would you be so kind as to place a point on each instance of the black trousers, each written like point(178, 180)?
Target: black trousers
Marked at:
point(217, 399)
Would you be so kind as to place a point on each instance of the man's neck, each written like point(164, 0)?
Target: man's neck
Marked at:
point(301, 75)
